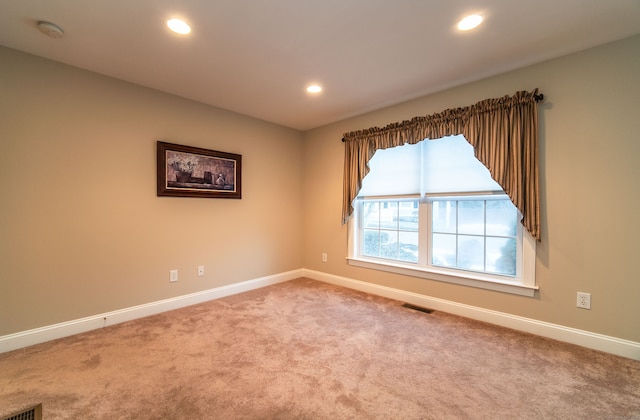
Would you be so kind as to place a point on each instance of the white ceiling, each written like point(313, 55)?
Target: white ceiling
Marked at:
point(255, 57)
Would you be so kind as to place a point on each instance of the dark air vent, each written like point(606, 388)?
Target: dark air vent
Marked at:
point(31, 413)
point(417, 308)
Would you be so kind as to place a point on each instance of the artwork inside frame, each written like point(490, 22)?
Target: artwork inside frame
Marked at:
point(185, 171)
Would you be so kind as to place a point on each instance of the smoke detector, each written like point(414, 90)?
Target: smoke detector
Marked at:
point(51, 29)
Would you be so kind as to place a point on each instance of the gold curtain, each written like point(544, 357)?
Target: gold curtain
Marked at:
point(504, 135)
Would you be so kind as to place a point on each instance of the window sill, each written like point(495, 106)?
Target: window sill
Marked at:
point(470, 279)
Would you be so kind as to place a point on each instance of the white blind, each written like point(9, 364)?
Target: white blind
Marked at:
point(432, 166)
point(394, 171)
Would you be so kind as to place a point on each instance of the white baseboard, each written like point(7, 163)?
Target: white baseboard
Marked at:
point(617, 346)
point(51, 332)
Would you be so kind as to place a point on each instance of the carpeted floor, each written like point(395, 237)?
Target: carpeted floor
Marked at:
point(310, 350)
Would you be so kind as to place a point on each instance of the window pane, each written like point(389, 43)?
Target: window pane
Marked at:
point(471, 252)
point(471, 217)
point(501, 256)
point(444, 250)
point(408, 246)
point(444, 216)
point(371, 216)
point(389, 214)
point(502, 217)
point(371, 246)
point(389, 244)
point(408, 215)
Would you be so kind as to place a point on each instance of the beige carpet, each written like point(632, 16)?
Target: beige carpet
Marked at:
point(309, 350)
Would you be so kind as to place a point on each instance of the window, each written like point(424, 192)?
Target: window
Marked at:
point(474, 234)
point(432, 210)
point(390, 230)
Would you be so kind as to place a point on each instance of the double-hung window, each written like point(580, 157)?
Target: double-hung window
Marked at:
point(432, 210)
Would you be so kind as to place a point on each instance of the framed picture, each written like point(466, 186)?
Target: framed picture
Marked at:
point(185, 171)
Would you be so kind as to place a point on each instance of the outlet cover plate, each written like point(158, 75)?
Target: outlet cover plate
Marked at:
point(584, 300)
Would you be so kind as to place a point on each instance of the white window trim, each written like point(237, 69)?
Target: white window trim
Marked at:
point(526, 287)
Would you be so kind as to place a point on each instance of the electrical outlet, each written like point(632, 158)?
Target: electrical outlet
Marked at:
point(324, 257)
point(584, 300)
point(200, 270)
point(173, 275)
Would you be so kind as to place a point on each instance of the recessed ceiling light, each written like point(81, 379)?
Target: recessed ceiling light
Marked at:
point(469, 22)
point(314, 88)
point(178, 26)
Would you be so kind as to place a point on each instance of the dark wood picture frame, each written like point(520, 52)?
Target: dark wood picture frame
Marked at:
point(185, 171)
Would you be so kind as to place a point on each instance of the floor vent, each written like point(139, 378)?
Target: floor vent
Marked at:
point(417, 308)
point(31, 413)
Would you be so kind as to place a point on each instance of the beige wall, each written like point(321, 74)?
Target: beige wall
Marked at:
point(590, 167)
point(82, 231)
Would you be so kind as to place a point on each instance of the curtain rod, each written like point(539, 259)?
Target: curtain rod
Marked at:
point(538, 97)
